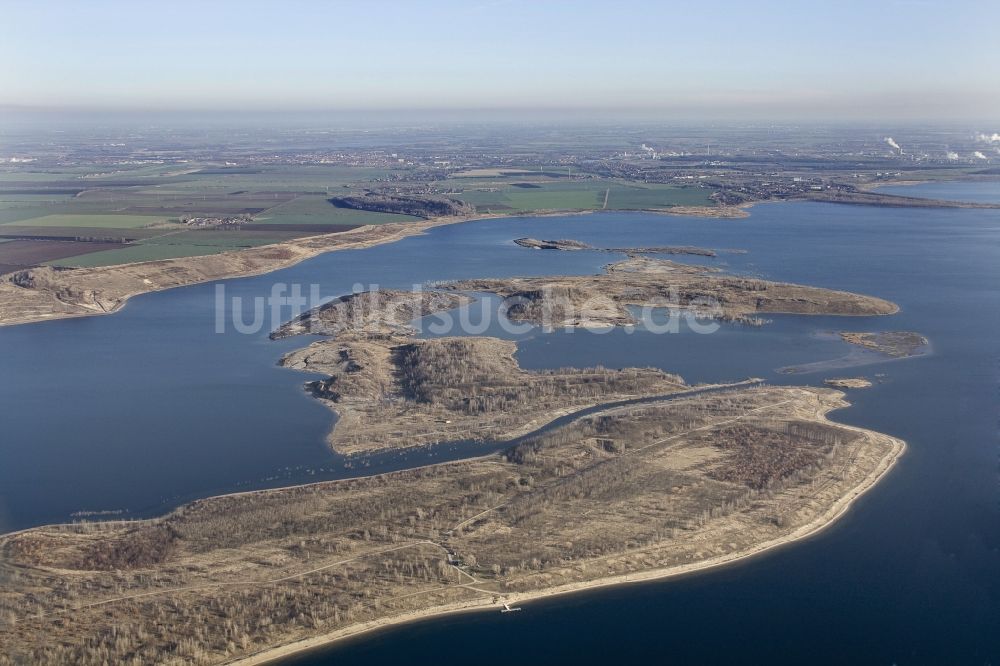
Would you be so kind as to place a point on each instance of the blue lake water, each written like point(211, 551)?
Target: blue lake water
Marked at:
point(982, 192)
point(138, 411)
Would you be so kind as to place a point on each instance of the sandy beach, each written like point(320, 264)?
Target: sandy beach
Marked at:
point(486, 603)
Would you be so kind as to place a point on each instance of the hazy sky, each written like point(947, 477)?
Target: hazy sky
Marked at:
point(879, 59)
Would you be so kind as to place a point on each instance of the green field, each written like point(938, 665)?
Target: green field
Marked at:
point(226, 240)
point(187, 243)
point(547, 196)
point(631, 197)
point(316, 209)
point(145, 199)
point(317, 179)
point(138, 202)
point(133, 253)
point(25, 175)
point(77, 232)
point(109, 221)
point(579, 195)
point(20, 200)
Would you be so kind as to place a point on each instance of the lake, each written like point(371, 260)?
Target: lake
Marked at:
point(131, 414)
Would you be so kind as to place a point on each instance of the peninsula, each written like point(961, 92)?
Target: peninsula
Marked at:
point(603, 300)
point(632, 493)
point(392, 390)
point(44, 292)
point(378, 312)
point(395, 391)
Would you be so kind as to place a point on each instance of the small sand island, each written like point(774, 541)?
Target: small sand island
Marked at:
point(848, 382)
point(570, 245)
point(897, 344)
point(603, 300)
point(560, 244)
point(873, 347)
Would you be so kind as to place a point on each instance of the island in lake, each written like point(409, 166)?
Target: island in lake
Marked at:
point(869, 347)
point(848, 382)
point(603, 476)
point(603, 300)
point(568, 244)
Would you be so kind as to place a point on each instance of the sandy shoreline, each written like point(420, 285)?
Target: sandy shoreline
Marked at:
point(830, 498)
point(536, 423)
point(339, 241)
point(16, 302)
point(812, 528)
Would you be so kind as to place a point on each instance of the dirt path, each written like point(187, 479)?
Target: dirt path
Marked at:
point(813, 527)
point(709, 426)
point(269, 581)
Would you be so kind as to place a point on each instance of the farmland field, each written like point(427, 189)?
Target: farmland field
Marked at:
point(316, 209)
point(547, 196)
point(226, 240)
point(103, 221)
point(18, 254)
point(134, 253)
point(500, 196)
point(19, 176)
point(304, 178)
point(20, 231)
point(627, 197)
point(131, 214)
point(184, 243)
point(493, 173)
point(15, 200)
point(136, 211)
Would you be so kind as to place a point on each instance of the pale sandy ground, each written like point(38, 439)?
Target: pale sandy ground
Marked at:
point(819, 523)
point(848, 383)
